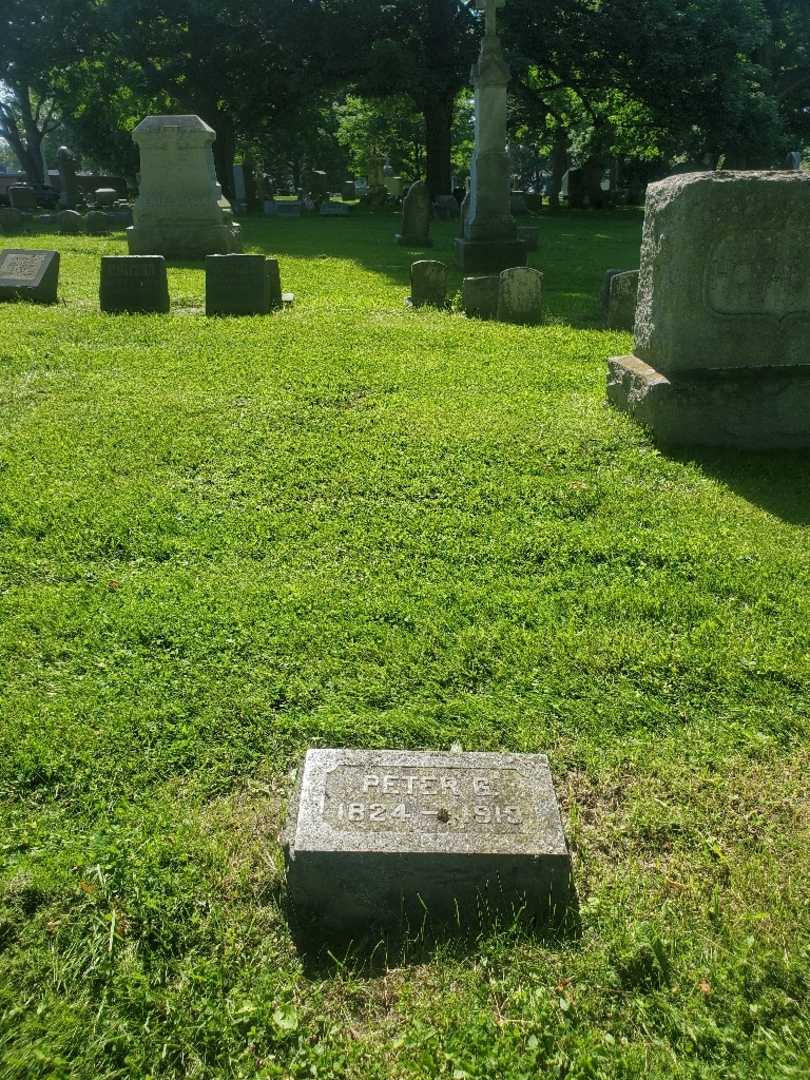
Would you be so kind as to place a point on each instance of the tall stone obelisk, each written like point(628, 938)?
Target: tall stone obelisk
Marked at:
point(490, 242)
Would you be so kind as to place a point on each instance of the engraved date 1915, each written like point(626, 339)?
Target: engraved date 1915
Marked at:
point(400, 813)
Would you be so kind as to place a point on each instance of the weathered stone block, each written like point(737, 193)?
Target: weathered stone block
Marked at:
point(477, 257)
point(105, 196)
point(134, 283)
point(621, 312)
point(97, 223)
point(725, 278)
point(26, 274)
point(520, 296)
point(373, 836)
point(748, 408)
point(604, 292)
point(22, 197)
point(69, 222)
point(11, 220)
point(237, 285)
point(428, 283)
point(479, 296)
point(416, 210)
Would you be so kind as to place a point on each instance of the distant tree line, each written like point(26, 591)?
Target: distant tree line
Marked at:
point(290, 85)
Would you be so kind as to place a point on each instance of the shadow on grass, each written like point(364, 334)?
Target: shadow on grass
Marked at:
point(776, 480)
point(374, 950)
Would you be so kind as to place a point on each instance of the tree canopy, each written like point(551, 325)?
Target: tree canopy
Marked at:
point(300, 83)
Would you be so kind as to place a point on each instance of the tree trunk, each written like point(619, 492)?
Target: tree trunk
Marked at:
point(559, 163)
point(438, 114)
point(224, 151)
point(252, 195)
point(27, 149)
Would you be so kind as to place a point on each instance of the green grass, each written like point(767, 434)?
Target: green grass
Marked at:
point(350, 524)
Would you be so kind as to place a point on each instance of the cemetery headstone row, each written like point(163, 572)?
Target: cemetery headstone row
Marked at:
point(234, 285)
point(67, 222)
point(513, 296)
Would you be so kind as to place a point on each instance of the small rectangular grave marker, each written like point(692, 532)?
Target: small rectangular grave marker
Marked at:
point(237, 285)
point(375, 834)
point(134, 283)
point(26, 274)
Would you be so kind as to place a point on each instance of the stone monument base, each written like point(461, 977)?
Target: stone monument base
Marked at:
point(413, 241)
point(478, 257)
point(378, 837)
point(185, 241)
point(746, 408)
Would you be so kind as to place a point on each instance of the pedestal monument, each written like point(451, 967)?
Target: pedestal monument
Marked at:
point(722, 324)
point(490, 242)
point(180, 211)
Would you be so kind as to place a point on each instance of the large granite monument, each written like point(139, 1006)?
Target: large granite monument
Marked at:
point(180, 211)
point(373, 836)
point(722, 326)
point(490, 242)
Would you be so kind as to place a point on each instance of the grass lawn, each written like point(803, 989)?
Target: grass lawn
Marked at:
point(350, 524)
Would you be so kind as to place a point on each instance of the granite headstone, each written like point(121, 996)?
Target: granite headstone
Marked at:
point(520, 295)
point(416, 210)
point(27, 274)
point(373, 836)
point(722, 328)
point(621, 311)
point(180, 211)
point(237, 285)
point(134, 283)
point(479, 296)
point(11, 220)
point(22, 197)
point(69, 222)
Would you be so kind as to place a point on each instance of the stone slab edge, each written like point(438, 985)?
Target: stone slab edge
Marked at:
point(748, 409)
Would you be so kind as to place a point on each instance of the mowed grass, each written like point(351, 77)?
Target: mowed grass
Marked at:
point(350, 524)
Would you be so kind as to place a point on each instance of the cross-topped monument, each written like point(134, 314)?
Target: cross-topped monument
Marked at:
point(491, 7)
point(490, 243)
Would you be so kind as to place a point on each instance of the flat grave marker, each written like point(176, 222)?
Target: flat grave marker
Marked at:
point(27, 274)
point(375, 835)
